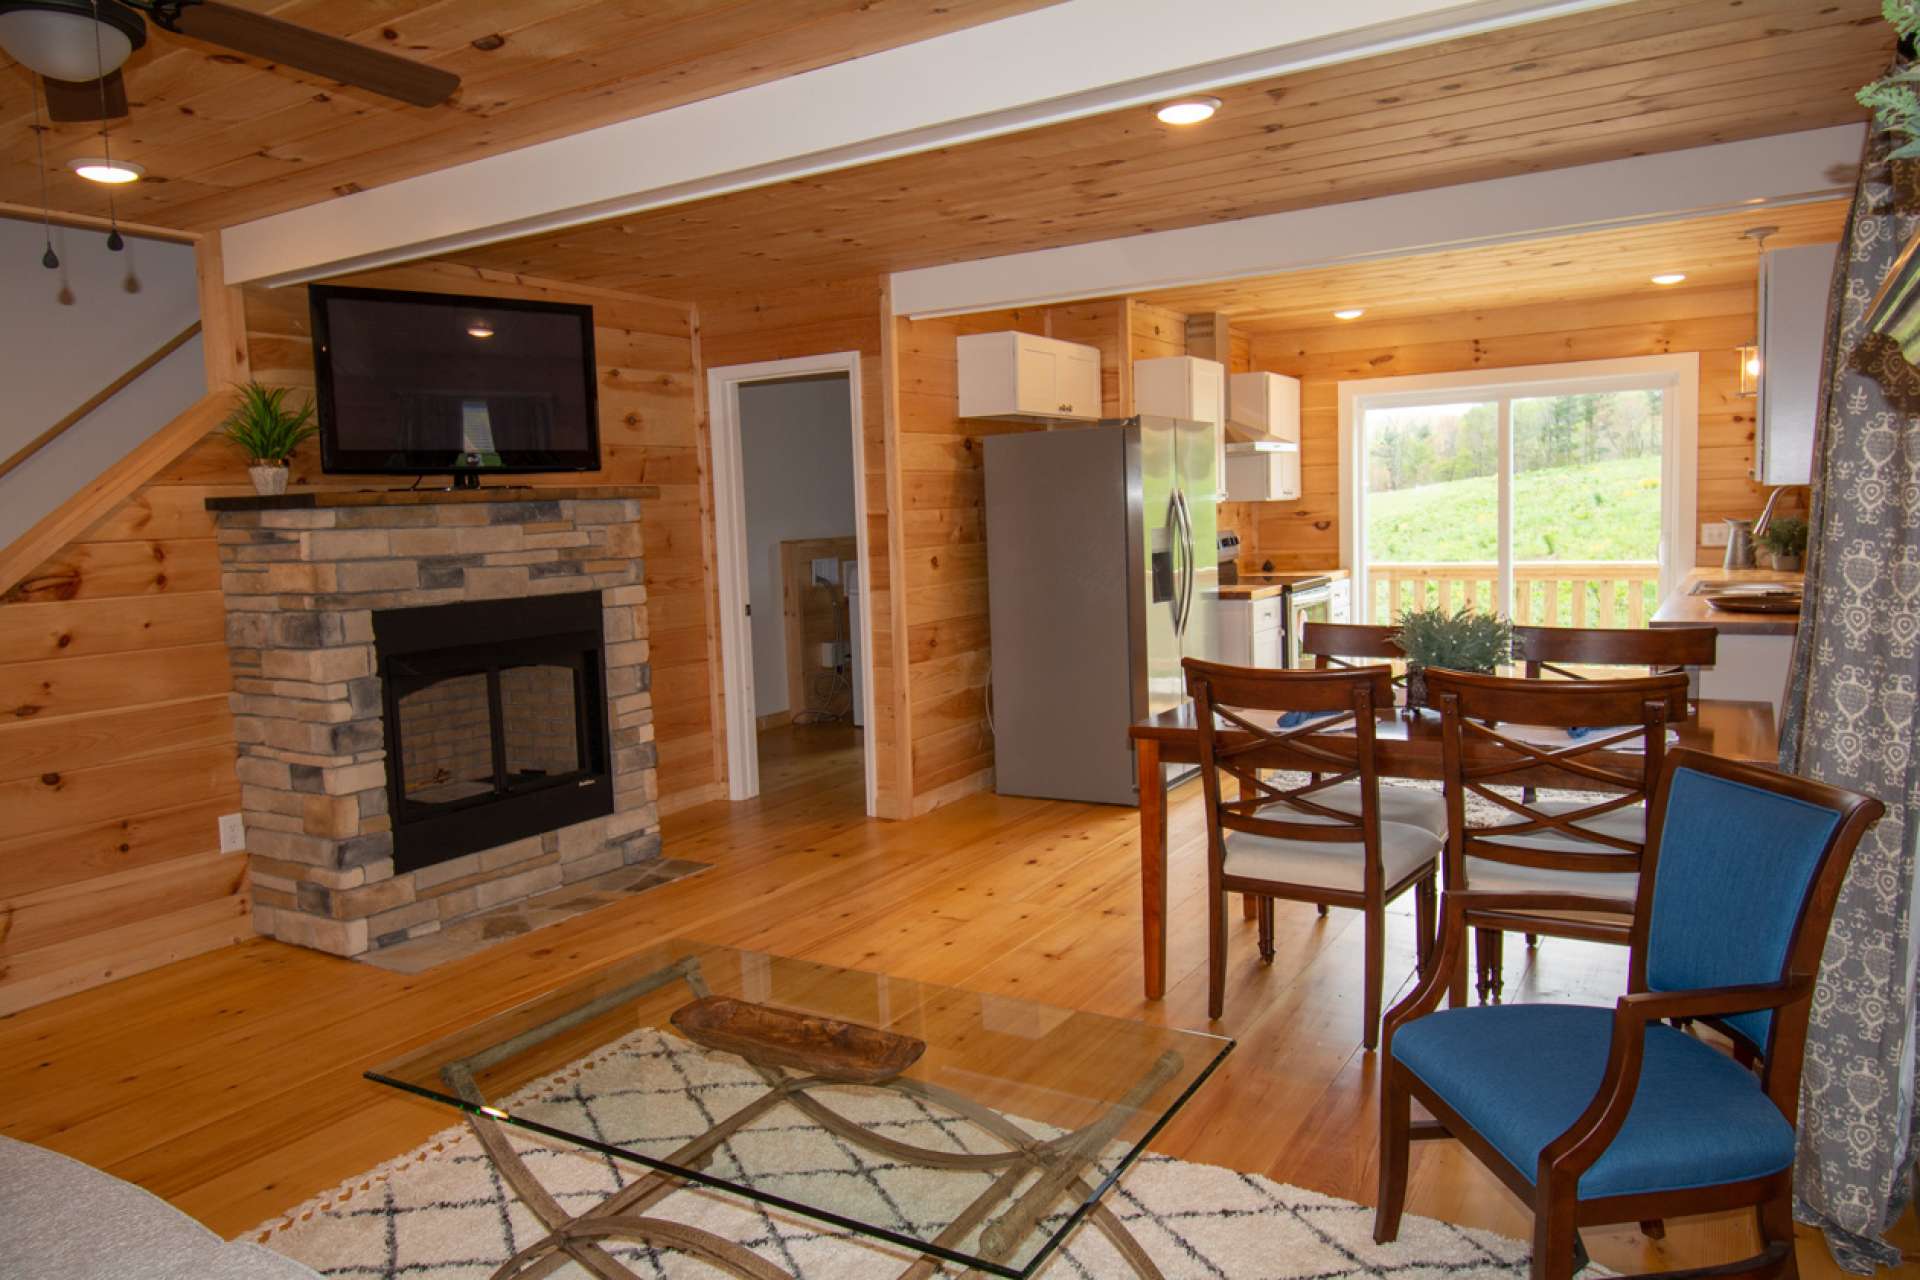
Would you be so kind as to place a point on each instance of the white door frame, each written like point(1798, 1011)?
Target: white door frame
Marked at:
point(1678, 374)
point(730, 556)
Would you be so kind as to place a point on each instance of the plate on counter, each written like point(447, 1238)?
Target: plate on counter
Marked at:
point(1755, 601)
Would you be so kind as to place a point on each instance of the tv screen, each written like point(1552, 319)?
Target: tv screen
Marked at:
point(412, 383)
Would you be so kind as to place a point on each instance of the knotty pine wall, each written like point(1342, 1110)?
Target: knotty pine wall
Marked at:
point(116, 745)
point(943, 496)
point(1711, 321)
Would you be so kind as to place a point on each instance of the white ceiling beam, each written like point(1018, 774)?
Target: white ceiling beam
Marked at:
point(1785, 169)
point(1070, 60)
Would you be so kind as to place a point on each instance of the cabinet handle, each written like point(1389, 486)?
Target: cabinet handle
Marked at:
point(1066, 408)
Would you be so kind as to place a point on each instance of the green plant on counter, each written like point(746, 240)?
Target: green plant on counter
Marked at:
point(1465, 640)
point(1893, 98)
point(1785, 536)
point(264, 428)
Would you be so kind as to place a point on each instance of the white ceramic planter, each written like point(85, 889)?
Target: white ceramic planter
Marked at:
point(269, 481)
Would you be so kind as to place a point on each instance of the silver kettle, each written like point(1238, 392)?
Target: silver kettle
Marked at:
point(1739, 545)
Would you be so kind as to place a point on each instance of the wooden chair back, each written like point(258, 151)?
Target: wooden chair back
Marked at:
point(1239, 709)
point(1629, 717)
point(1659, 649)
point(1743, 867)
point(1336, 644)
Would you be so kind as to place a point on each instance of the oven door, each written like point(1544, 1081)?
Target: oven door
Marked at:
point(1313, 604)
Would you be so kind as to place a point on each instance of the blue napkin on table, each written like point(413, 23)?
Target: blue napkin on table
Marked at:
point(1294, 719)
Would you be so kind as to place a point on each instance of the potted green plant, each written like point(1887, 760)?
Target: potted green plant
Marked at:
point(1786, 542)
point(1464, 640)
point(268, 430)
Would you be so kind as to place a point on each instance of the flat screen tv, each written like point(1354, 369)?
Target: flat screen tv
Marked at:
point(425, 383)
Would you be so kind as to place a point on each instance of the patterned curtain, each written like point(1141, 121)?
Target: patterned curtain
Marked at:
point(1849, 720)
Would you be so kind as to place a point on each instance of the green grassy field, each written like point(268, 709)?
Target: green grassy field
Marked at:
point(1603, 511)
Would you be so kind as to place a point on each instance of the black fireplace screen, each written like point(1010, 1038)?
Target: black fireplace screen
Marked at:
point(495, 722)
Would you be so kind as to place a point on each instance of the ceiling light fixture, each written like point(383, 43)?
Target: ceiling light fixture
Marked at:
point(1669, 277)
point(479, 329)
point(1350, 313)
point(1187, 110)
point(111, 172)
point(56, 37)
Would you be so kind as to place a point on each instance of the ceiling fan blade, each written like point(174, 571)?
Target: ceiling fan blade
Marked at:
point(78, 101)
point(247, 32)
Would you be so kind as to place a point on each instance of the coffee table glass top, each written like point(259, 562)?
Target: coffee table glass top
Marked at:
point(970, 1127)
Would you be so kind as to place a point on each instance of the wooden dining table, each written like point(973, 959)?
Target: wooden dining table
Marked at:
point(1405, 747)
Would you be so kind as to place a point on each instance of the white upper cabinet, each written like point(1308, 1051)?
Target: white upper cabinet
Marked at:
point(1267, 472)
point(1026, 378)
point(1264, 406)
point(1188, 388)
point(1793, 331)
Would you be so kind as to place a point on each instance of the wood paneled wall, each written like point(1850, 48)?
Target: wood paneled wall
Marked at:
point(943, 498)
point(116, 744)
point(1713, 322)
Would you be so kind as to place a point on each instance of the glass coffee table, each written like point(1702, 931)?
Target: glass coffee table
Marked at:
point(960, 1127)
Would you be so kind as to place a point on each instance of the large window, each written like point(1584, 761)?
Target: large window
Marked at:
point(1559, 495)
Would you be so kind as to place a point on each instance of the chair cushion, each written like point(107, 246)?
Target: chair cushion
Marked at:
point(1510, 877)
point(1410, 806)
point(1629, 823)
point(1520, 1074)
point(1331, 865)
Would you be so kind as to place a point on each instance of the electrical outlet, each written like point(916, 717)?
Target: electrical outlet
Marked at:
point(1714, 534)
point(233, 833)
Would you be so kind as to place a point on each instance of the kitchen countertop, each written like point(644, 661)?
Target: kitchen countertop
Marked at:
point(1683, 609)
point(1264, 586)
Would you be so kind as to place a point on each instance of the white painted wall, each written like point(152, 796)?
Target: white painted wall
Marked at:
point(54, 354)
point(67, 333)
point(797, 467)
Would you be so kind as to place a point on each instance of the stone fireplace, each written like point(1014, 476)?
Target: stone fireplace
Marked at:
point(442, 701)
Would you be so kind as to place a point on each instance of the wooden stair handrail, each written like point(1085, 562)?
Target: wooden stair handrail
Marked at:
point(99, 398)
point(110, 488)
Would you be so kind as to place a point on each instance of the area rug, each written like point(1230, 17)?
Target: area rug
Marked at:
point(442, 1213)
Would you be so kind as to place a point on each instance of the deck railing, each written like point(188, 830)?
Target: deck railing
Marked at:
point(1563, 593)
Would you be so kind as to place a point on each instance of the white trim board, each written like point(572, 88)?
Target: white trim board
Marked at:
point(1677, 374)
point(1789, 168)
point(1064, 62)
point(730, 559)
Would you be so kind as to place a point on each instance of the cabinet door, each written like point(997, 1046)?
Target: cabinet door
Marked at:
point(1236, 633)
point(1267, 648)
point(1036, 377)
point(1077, 384)
point(1340, 600)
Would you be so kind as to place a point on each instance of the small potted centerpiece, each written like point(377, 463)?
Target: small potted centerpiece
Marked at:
point(1785, 541)
point(267, 430)
point(1464, 640)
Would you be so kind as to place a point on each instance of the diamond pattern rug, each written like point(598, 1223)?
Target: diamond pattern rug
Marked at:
point(442, 1213)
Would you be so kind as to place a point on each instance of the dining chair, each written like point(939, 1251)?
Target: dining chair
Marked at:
point(1594, 1115)
point(1502, 740)
point(1337, 644)
point(1338, 838)
point(1660, 650)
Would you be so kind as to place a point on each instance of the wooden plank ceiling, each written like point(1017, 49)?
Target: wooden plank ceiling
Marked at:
point(1620, 262)
point(1610, 83)
point(225, 139)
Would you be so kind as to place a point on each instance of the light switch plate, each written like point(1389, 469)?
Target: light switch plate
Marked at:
point(233, 833)
point(1714, 534)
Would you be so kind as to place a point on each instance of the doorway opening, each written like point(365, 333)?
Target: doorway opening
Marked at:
point(792, 559)
point(1561, 495)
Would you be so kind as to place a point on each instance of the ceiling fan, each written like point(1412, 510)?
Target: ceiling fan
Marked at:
point(79, 46)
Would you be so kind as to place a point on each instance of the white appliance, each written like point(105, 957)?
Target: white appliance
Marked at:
point(850, 574)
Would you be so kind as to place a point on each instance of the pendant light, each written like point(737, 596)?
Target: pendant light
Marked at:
point(50, 260)
point(114, 243)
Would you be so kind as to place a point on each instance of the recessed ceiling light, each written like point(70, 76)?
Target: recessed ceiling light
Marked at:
point(1188, 110)
point(479, 329)
point(1350, 313)
point(1669, 277)
point(111, 172)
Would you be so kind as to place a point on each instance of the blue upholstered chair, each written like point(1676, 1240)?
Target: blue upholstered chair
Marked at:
point(1597, 1115)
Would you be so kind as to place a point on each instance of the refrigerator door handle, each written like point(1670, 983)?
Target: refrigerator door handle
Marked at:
point(1176, 544)
point(1187, 564)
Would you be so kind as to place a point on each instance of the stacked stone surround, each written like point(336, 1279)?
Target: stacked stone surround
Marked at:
point(302, 577)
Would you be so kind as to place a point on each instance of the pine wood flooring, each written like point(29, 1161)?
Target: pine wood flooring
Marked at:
point(230, 1083)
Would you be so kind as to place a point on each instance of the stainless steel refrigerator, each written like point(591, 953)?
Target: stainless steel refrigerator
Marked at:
point(1101, 576)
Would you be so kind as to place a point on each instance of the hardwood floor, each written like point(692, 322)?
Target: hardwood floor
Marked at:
point(230, 1083)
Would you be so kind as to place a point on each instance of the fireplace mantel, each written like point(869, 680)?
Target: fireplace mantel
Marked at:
point(303, 576)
